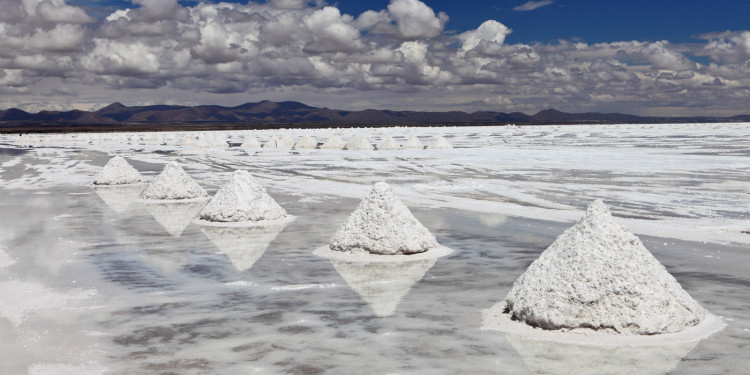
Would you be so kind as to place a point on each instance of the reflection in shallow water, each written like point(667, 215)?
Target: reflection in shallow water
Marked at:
point(243, 246)
point(548, 357)
point(382, 284)
point(174, 217)
point(119, 197)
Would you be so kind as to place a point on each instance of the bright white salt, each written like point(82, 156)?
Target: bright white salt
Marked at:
point(388, 143)
point(272, 143)
point(382, 224)
point(306, 143)
point(440, 143)
point(413, 143)
point(242, 199)
point(250, 143)
point(598, 275)
point(333, 142)
point(173, 183)
point(117, 171)
point(358, 143)
point(286, 142)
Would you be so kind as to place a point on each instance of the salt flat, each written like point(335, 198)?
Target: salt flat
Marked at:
point(131, 295)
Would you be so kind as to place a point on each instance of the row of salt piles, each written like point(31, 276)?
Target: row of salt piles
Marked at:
point(334, 142)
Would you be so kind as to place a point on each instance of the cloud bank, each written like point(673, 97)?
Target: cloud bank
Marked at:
point(55, 55)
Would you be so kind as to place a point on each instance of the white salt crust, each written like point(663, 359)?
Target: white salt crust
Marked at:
point(118, 171)
point(174, 184)
point(440, 143)
point(333, 142)
point(306, 143)
point(358, 143)
point(388, 143)
point(598, 275)
point(413, 143)
point(382, 224)
point(242, 199)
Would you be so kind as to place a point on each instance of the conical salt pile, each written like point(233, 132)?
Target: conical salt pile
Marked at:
point(598, 275)
point(382, 224)
point(333, 142)
point(117, 171)
point(271, 144)
point(440, 143)
point(240, 200)
point(413, 143)
point(358, 143)
point(286, 142)
point(306, 143)
point(388, 143)
point(250, 143)
point(173, 183)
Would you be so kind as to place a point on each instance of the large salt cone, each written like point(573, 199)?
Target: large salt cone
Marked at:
point(598, 275)
point(306, 143)
point(271, 144)
point(388, 143)
point(242, 245)
point(118, 171)
point(413, 143)
point(174, 217)
point(286, 142)
point(173, 183)
point(358, 143)
point(440, 143)
point(333, 142)
point(119, 197)
point(250, 143)
point(382, 224)
point(242, 199)
point(383, 284)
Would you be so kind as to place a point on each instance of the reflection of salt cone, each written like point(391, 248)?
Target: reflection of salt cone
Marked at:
point(243, 245)
point(546, 357)
point(174, 217)
point(119, 197)
point(382, 284)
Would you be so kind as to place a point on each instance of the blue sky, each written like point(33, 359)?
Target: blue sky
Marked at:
point(644, 57)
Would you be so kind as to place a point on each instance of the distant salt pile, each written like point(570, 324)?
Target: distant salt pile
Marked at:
point(118, 171)
point(598, 275)
point(271, 144)
point(358, 143)
point(188, 140)
point(286, 142)
point(250, 143)
point(173, 183)
point(135, 140)
point(306, 143)
point(382, 224)
point(413, 143)
point(242, 199)
point(388, 143)
point(440, 143)
point(333, 142)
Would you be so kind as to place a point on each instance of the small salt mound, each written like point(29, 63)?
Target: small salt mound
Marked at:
point(242, 199)
point(440, 143)
point(250, 143)
point(598, 275)
point(333, 142)
point(382, 224)
point(388, 143)
point(173, 183)
point(117, 171)
point(286, 142)
point(272, 144)
point(413, 143)
point(306, 143)
point(358, 143)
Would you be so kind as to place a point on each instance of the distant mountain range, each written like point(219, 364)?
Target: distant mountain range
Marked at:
point(273, 114)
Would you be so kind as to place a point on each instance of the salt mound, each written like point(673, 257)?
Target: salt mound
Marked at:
point(333, 142)
point(242, 199)
point(413, 143)
point(440, 143)
point(306, 143)
point(250, 143)
point(117, 171)
point(272, 143)
point(598, 275)
point(382, 224)
point(388, 143)
point(358, 143)
point(286, 142)
point(173, 183)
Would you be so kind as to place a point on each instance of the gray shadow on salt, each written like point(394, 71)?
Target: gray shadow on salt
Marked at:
point(242, 245)
point(119, 198)
point(174, 217)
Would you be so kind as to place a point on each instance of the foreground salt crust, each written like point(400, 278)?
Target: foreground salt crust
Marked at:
point(597, 275)
point(118, 171)
point(173, 183)
point(242, 200)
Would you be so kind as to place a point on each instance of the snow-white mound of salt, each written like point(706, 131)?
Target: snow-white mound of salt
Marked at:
point(358, 143)
point(173, 183)
point(286, 142)
point(413, 143)
point(272, 143)
point(440, 143)
point(250, 143)
point(598, 275)
point(118, 171)
point(242, 199)
point(333, 142)
point(306, 143)
point(382, 224)
point(388, 143)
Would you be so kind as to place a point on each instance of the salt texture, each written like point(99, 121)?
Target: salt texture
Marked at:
point(173, 183)
point(5, 259)
point(388, 143)
point(382, 224)
point(286, 142)
point(117, 171)
point(440, 143)
point(413, 143)
point(333, 142)
point(242, 199)
point(358, 143)
point(306, 143)
point(250, 143)
point(598, 275)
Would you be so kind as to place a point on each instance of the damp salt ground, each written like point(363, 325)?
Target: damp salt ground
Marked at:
point(382, 229)
point(173, 185)
point(598, 285)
